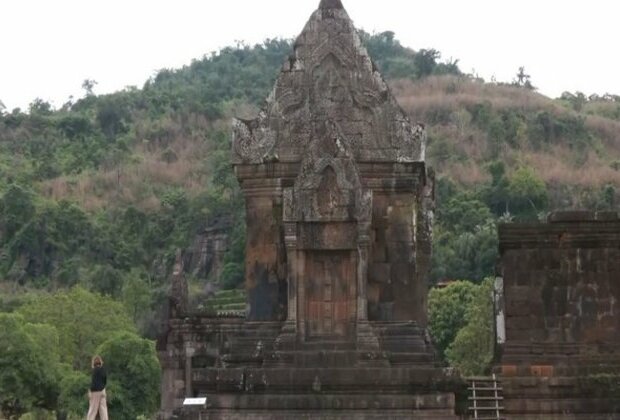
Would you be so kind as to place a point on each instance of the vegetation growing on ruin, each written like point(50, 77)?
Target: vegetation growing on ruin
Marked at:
point(98, 194)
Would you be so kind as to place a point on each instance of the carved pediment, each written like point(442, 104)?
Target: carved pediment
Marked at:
point(330, 76)
point(328, 187)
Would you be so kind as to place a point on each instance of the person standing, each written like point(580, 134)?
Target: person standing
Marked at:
point(96, 392)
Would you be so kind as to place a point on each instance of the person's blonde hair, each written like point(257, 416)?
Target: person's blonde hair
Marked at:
point(97, 361)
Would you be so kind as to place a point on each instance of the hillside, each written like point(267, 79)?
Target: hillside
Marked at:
point(101, 192)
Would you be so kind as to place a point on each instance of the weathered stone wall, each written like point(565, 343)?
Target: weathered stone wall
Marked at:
point(562, 283)
point(400, 247)
point(265, 258)
point(400, 239)
point(562, 294)
point(204, 258)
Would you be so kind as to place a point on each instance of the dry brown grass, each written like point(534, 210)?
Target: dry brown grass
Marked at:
point(453, 92)
point(468, 174)
point(608, 131)
point(558, 165)
point(145, 172)
point(554, 167)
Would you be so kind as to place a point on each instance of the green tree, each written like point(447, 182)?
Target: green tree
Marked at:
point(136, 294)
point(83, 320)
point(463, 213)
point(576, 101)
point(425, 62)
point(88, 86)
point(495, 195)
point(28, 378)
point(523, 79)
point(447, 308)
point(40, 107)
point(608, 197)
point(133, 375)
point(16, 209)
point(106, 280)
point(527, 194)
point(473, 347)
point(468, 254)
point(72, 399)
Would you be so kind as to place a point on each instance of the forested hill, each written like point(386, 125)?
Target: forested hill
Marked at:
point(102, 191)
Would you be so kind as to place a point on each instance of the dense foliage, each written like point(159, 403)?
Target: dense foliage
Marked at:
point(461, 324)
point(473, 347)
point(46, 349)
point(28, 366)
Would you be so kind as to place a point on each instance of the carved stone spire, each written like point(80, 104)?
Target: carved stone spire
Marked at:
point(328, 80)
point(331, 4)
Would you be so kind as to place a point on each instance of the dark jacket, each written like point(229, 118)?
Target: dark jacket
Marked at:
point(98, 380)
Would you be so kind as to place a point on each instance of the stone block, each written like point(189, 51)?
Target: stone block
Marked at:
point(509, 370)
point(583, 216)
point(379, 273)
point(402, 272)
point(541, 370)
point(399, 232)
point(379, 252)
point(399, 252)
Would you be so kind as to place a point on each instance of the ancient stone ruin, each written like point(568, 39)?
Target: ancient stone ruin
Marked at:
point(339, 207)
point(561, 358)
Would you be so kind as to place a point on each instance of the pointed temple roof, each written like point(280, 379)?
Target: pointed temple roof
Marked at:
point(331, 4)
point(329, 80)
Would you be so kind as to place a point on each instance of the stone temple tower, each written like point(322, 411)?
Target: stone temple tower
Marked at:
point(338, 196)
point(339, 206)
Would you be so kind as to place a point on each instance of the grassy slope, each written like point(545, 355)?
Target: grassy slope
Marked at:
point(458, 149)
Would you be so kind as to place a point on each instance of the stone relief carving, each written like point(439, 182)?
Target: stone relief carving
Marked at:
point(328, 187)
point(330, 77)
point(253, 141)
point(330, 197)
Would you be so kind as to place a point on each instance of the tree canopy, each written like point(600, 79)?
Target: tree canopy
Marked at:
point(84, 320)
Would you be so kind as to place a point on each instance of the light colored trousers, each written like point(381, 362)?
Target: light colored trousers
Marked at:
point(97, 405)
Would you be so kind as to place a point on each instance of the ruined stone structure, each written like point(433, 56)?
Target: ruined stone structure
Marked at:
point(204, 258)
point(339, 207)
point(561, 358)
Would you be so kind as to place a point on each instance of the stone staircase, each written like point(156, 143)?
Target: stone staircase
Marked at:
point(327, 378)
point(405, 343)
point(228, 303)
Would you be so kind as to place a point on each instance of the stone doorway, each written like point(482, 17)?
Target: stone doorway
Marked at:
point(330, 291)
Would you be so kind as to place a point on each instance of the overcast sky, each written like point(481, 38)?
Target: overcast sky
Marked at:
point(50, 46)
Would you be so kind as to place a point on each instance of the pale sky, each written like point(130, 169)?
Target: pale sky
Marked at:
point(48, 47)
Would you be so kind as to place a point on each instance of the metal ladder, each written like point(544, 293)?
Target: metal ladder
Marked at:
point(485, 398)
